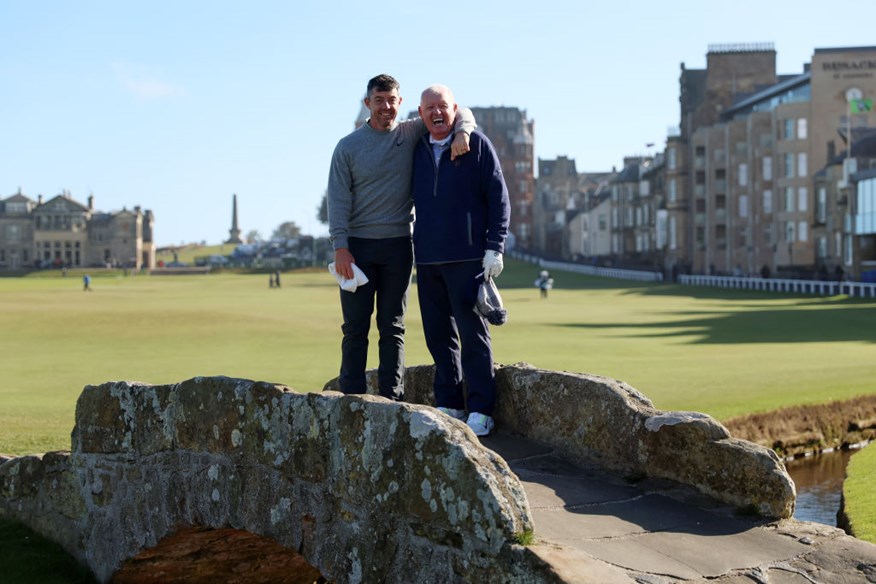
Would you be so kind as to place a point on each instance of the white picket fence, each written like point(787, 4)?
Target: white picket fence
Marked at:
point(814, 287)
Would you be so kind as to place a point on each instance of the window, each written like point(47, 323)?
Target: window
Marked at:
point(803, 199)
point(768, 201)
point(788, 129)
point(802, 166)
point(743, 174)
point(789, 165)
point(821, 247)
point(743, 205)
point(802, 130)
point(789, 199)
point(602, 222)
point(13, 233)
point(802, 231)
point(767, 168)
point(671, 159)
point(673, 238)
point(789, 231)
point(865, 221)
point(821, 206)
point(672, 189)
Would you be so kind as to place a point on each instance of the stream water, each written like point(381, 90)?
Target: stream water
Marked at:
point(819, 481)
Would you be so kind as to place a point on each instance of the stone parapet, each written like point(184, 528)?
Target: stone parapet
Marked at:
point(359, 486)
point(609, 422)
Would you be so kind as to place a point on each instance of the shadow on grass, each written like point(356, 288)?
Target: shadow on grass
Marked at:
point(28, 558)
point(841, 323)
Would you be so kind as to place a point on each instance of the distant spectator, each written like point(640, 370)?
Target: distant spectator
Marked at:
point(839, 273)
point(86, 282)
point(277, 278)
point(765, 272)
point(544, 282)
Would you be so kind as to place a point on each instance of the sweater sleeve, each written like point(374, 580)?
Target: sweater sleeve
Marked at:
point(340, 197)
point(465, 121)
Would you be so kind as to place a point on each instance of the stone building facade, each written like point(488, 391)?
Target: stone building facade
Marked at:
point(753, 202)
point(762, 176)
point(64, 232)
point(511, 132)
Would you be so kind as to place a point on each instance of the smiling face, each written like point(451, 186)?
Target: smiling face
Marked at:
point(438, 110)
point(383, 106)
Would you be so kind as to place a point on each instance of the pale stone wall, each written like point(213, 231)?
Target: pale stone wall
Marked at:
point(359, 486)
point(362, 488)
point(604, 420)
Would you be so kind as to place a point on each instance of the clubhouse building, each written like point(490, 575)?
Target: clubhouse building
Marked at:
point(62, 232)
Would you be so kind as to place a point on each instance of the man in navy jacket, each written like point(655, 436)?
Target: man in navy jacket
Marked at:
point(462, 214)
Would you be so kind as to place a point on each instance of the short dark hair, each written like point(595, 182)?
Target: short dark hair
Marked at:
point(382, 82)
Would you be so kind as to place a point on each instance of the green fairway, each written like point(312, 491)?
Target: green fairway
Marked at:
point(725, 353)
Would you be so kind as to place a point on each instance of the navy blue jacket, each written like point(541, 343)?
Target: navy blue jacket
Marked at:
point(463, 210)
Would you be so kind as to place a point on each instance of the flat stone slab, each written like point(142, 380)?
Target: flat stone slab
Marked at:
point(655, 532)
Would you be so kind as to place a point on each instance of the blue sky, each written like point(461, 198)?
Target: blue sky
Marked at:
point(175, 105)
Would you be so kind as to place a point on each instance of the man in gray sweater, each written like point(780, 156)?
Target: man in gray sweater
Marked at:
point(370, 214)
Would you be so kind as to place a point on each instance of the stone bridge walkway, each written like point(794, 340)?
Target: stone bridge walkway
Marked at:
point(594, 527)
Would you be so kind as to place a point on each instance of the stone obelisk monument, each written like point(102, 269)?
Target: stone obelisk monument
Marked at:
point(234, 232)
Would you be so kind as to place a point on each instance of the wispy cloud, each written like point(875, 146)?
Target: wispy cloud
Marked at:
point(144, 82)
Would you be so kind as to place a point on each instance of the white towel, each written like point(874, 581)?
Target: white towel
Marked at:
point(359, 278)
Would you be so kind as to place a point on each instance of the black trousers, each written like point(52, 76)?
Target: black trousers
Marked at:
point(387, 263)
point(457, 337)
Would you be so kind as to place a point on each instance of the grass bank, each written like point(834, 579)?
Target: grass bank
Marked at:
point(859, 495)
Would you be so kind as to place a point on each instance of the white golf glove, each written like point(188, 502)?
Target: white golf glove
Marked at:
point(492, 264)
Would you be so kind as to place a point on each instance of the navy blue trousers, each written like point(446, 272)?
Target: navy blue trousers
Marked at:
point(388, 264)
point(457, 337)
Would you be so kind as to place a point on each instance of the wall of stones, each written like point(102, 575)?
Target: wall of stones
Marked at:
point(357, 485)
point(354, 484)
point(595, 418)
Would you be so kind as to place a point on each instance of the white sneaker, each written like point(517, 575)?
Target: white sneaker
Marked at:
point(458, 414)
point(480, 424)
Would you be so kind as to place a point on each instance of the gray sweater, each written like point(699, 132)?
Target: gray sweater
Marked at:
point(369, 186)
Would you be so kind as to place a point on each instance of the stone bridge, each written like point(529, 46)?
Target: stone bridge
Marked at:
point(226, 479)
